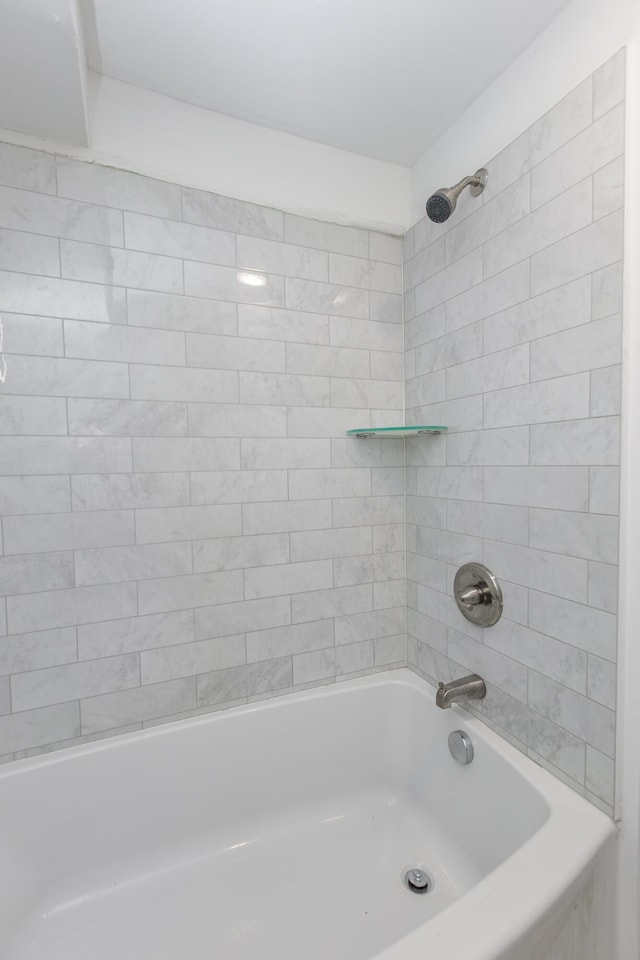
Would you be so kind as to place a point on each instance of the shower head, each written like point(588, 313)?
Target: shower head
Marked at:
point(442, 203)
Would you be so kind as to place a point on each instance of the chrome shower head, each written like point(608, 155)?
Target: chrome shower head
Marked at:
point(442, 203)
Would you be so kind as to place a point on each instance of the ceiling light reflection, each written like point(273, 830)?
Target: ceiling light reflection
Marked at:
point(252, 279)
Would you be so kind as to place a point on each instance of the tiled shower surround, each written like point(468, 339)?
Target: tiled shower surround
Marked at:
point(513, 339)
point(184, 523)
point(186, 526)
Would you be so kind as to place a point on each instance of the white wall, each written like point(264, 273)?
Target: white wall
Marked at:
point(576, 43)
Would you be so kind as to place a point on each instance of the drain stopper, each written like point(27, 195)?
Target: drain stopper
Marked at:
point(417, 880)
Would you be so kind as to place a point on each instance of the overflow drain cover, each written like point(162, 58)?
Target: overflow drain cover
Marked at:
point(417, 880)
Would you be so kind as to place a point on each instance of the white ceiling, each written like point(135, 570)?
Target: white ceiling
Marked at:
point(381, 78)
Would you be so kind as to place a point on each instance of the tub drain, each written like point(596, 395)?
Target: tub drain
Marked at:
point(417, 880)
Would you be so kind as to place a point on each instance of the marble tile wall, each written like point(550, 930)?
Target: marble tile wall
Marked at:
point(513, 339)
point(184, 523)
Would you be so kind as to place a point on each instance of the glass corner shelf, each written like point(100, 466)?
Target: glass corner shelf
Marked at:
point(396, 432)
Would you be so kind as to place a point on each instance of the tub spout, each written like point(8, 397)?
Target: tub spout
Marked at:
point(467, 688)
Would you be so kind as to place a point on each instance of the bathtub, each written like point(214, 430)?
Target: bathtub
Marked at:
point(284, 829)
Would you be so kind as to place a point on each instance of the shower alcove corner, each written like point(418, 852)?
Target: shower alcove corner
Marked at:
point(396, 433)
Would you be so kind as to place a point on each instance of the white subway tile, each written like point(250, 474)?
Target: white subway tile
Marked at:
point(138, 562)
point(64, 608)
point(587, 347)
point(166, 311)
point(273, 453)
point(326, 484)
point(386, 366)
point(26, 253)
point(606, 291)
point(354, 658)
point(327, 361)
point(424, 328)
point(557, 660)
point(30, 651)
point(234, 420)
point(603, 586)
point(165, 524)
point(494, 666)
point(389, 650)
point(55, 376)
point(575, 534)
point(32, 336)
point(383, 246)
point(289, 640)
point(600, 776)
point(564, 398)
point(351, 392)
point(133, 634)
point(491, 218)
point(606, 391)
point(608, 189)
point(425, 263)
point(127, 418)
point(237, 553)
point(284, 516)
point(601, 682)
point(67, 531)
point(507, 446)
point(348, 571)
point(584, 718)
point(291, 578)
point(225, 213)
point(446, 284)
point(49, 296)
point(326, 298)
point(238, 486)
point(326, 544)
point(457, 483)
point(156, 455)
point(230, 283)
point(352, 452)
point(362, 511)
point(506, 368)
point(455, 347)
point(234, 353)
point(370, 625)
point(331, 603)
point(565, 307)
point(495, 522)
point(604, 490)
point(367, 334)
point(189, 383)
point(196, 590)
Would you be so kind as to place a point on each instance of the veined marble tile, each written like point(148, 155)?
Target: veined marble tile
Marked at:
point(328, 483)
point(137, 562)
point(383, 567)
point(589, 629)
point(70, 682)
point(565, 307)
point(501, 671)
point(31, 574)
point(424, 328)
point(424, 264)
point(317, 605)
point(457, 483)
point(600, 775)
point(539, 570)
point(370, 625)
point(35, 728)
point(126, 344)
point(606, 291)
point(595, 246)
point(353, 658)
point(238, 553)
point(283, 258)
point(371, 334)
point(238, 486)
point(575, 534)
point(564, 398)
point(56, 217)
point(603, 586)
point(33, 416)
point(326, 236)
point(149, 382)
point(285, 516)
point(64, 608)
point(587, 347)
point(62, 377)
point(554, 487)
point(506, 368)
point(606, 391)
point(327, 361)
point(56, 455)
point(594, 442)
point(386, 366)
point(30, 651)
point(32, 336)
point(601, 681)
point(182, 240)
point(283, 388)
point(123, 491)
point(385, 247)
point(590, 150)
point(559, 661)
point(495, 522)
point(225, 619)
point(164, 524)
point(125, 268)
point(287, 578)
point(111, 711)
point(27, 169)
point(49, 296)
point(326, 298)
point(454, 347)
point(232, 283)
point(127, 418)
point(236, 420)
point(117, 188)
point(327, 544)
point(272, 323)
point(351, 452)
point(26, 253)
point(168, 311)
point(267, 453)
point(506, 446)
point(604, 490)
point(133, 634)
point(25, 494)
point(234, 353)
point(67, 531)
point(362, 511)
point(351, 392)
point(289, 640)
point(491, 218)
point(609, 84)
point(584, 718)
point(189, 659)
point(494, 293)
point(162, 455)
point(195, 590)
point(608, 189)
point(225, 213)
point(446, 284)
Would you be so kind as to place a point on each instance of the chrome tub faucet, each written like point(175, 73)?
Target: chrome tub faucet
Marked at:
point(466, 688)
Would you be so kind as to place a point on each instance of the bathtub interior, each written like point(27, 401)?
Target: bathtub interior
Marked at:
point(263, 823)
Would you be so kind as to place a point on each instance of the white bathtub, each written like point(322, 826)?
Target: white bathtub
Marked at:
point(283, 830)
